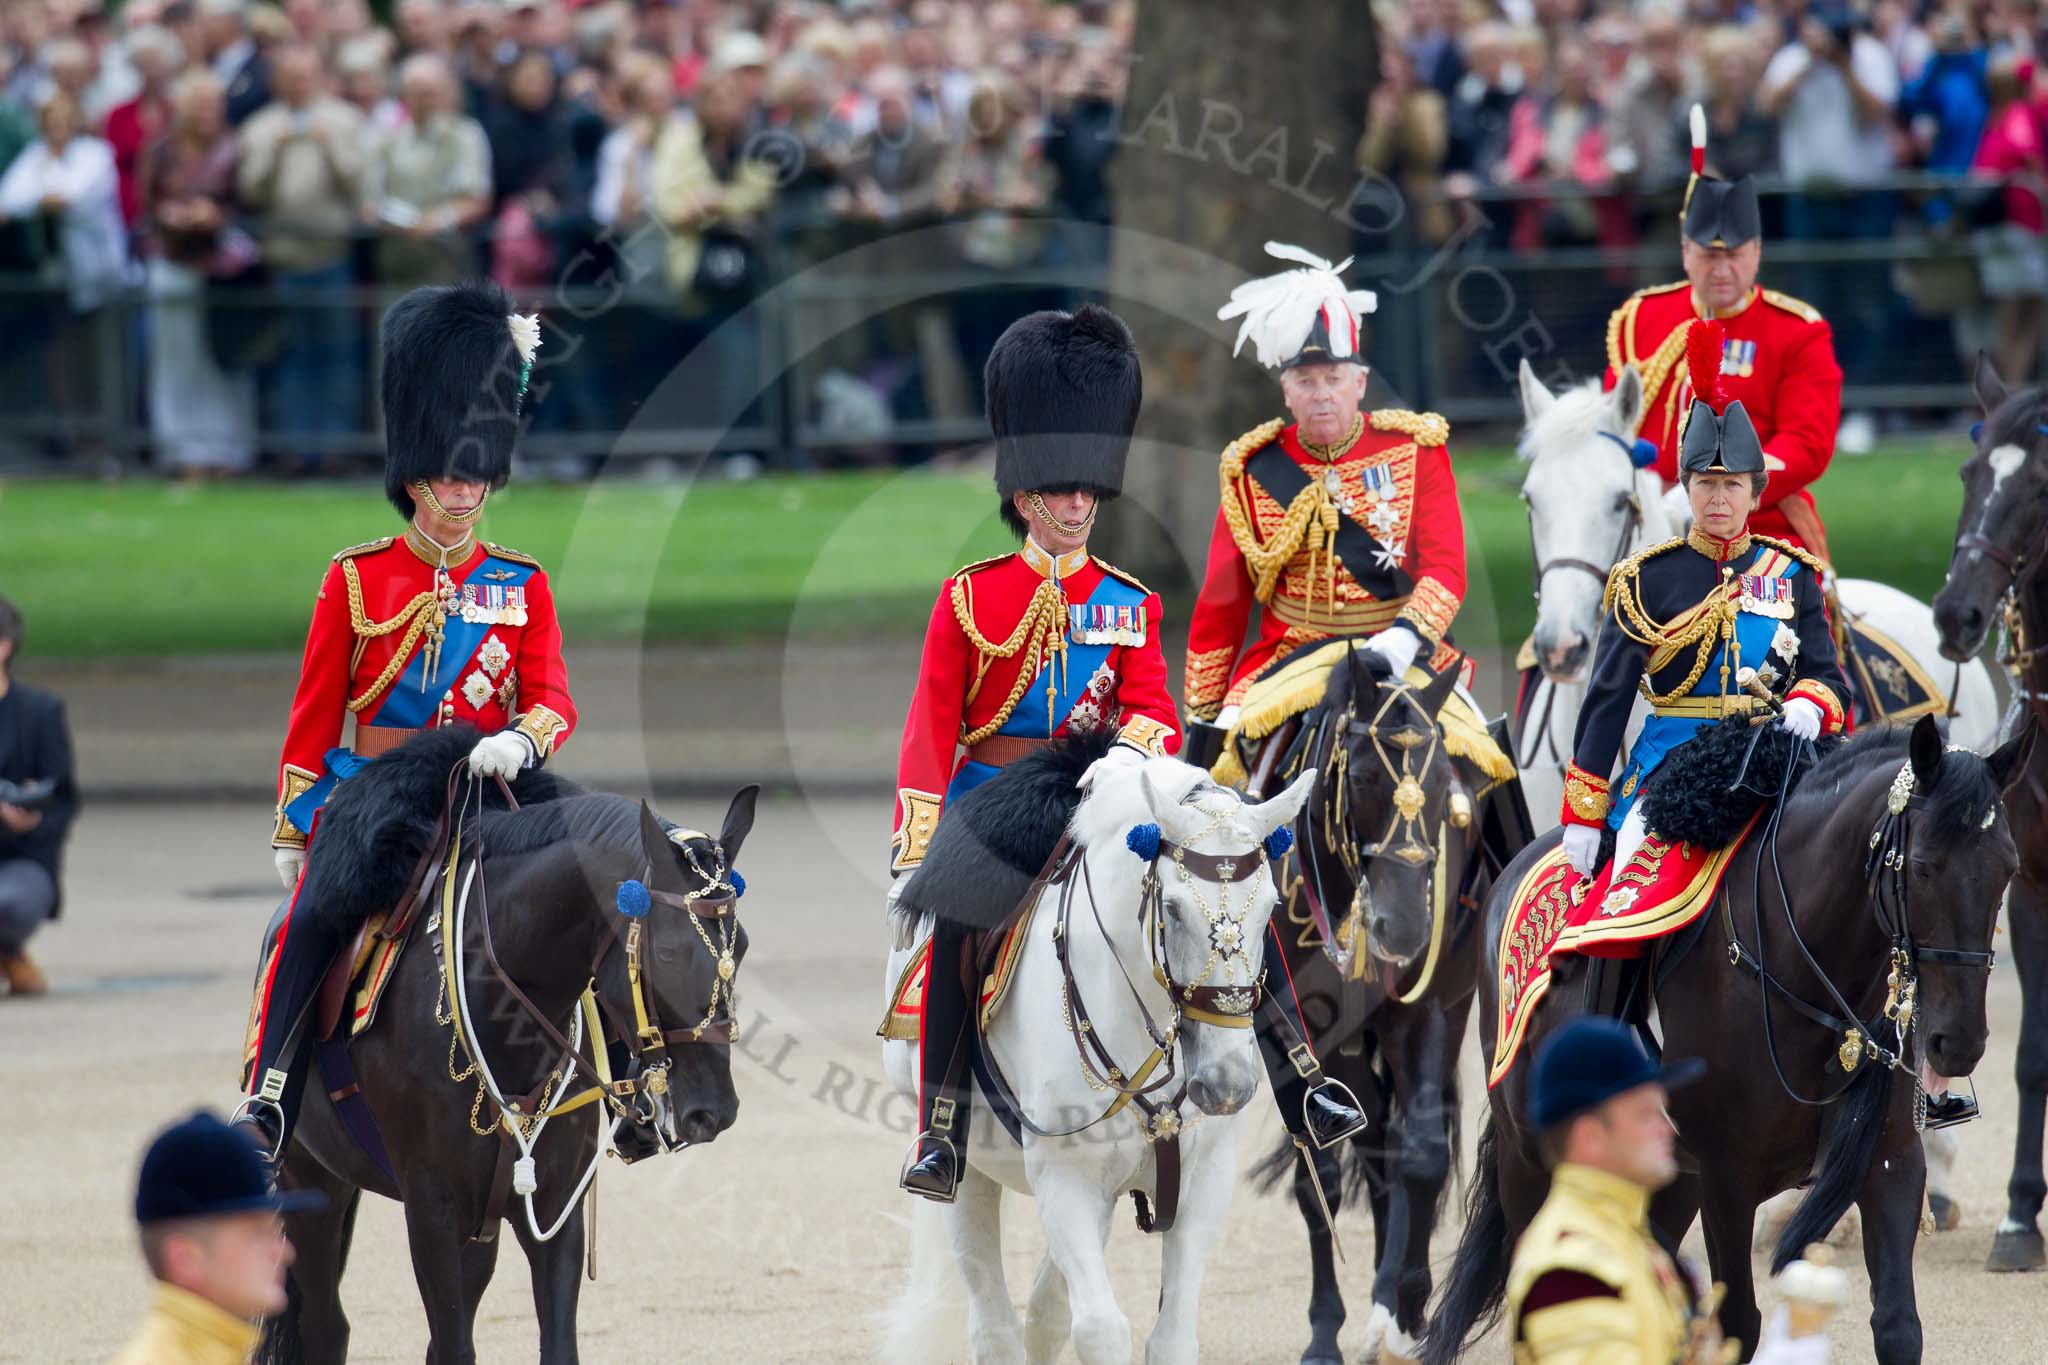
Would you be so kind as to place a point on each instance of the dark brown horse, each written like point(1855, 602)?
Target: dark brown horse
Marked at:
point(2001, 544)
point(551, 900)
point(1879, 883)
point(1389, 850)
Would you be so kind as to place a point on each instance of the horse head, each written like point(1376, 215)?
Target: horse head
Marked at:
point(1592, 499)
point(1388, 786)
point(2002, 530)
point(670, 991)
point(1202, 876)
point(1958, 860)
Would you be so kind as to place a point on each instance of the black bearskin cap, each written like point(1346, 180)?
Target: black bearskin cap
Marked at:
point(1063, 392)
point(450, 388)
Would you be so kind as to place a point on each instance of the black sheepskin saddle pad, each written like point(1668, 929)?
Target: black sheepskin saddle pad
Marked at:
point(991, 843)
point(1706, 789)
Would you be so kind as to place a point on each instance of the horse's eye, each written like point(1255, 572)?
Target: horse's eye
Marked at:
point(666, 955)
point(1622, 501)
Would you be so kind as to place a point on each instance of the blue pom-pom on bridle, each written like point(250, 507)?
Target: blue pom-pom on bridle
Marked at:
point(633, 899)
point(1641, 452)
point(1278, 842)
point(1143, 840)
point(736, 882)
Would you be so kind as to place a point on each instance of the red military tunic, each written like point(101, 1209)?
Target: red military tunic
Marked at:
point(1393, 480)
point(1004, 634)
point(1778, 358)
point(491, 638)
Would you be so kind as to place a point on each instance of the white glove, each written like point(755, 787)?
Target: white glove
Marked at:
point(1119, 756)
point(290, 863)
point(1398, 645)
point(500, 755)
point(1801, 718)
point(1227, 717)
point(1779, 1348)
point(1581, 847)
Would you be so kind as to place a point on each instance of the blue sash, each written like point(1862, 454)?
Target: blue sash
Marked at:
point(1108, 612)
point(1754, 633)
point(411, 701)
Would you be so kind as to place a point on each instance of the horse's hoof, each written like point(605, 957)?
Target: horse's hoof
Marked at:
point(1946, 1213)
point(2015, 1249)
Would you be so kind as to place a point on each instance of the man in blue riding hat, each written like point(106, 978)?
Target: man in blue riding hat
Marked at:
point(1589, 1281)
point(214, 1243)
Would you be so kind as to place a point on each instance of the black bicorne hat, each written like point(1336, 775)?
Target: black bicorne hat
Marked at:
point(451, 388)
point(1063, 392)
point(1717, 434)
point(1716, 212)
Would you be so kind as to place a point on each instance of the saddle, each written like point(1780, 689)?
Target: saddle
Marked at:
point(991, 955)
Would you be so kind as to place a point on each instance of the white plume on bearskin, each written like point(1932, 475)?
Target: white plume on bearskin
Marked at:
point(1279, 311)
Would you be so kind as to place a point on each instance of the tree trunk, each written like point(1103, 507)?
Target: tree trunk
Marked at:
point(1239, 128)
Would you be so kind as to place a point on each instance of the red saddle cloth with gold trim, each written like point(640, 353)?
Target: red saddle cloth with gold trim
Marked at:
point(1663, 888)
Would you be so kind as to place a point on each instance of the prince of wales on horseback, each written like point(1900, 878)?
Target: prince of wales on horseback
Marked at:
point(1022, 650)
point(430, 628)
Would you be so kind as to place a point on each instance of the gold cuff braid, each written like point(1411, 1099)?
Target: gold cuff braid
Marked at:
point(1145, 734)
point(1585, 795)
point(1208, 678)
point(542, 726)
point(294, 783)
point(914, 835)
point(1431, 609)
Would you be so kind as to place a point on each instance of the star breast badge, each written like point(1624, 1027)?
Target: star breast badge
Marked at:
point(478, 689)
point(493, 656)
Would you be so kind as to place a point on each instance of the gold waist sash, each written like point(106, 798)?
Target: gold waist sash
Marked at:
point(1709, 708)
point(1345, 619)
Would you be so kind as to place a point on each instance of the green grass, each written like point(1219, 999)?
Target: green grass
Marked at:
point(139, 569)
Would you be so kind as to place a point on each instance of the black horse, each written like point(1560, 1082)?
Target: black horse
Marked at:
point(1389, 860)
point(2001, 542)
point(548, 913)
point(1895, 854)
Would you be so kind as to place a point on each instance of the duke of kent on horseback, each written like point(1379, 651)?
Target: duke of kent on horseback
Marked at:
point(1343, 530)
point(1079, 918)
point(575, 991)
point(1869, 963)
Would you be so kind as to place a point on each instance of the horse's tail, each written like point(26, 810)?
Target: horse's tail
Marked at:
point(1845, 1156)
point(927, 1325)
point(281, 1343)
point(1470, 1300)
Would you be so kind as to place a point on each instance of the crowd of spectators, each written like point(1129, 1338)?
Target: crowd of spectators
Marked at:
point(219, 154)
point(211, 153)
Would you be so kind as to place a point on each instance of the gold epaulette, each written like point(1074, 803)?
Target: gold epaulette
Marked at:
point(1427, 428)
point(1247, 445)
point(978, 565)
point(1798, 308)
point(1628, 568)
point(517, 558)
point(1114, 572)
point(1805, 557)
point(367, 547)
point(1620, 317)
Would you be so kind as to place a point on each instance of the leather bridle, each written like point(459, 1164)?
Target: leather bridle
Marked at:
point(1630, 524)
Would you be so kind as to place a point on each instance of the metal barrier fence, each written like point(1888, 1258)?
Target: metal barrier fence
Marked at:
point(880, 359)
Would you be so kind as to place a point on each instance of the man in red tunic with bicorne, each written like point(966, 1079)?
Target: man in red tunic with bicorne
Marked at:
point(1778, 354)
point(1341, 523)
point(429, 628)
point(1021, 650)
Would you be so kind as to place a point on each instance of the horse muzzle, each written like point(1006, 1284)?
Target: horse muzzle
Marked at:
point(1224, 1087)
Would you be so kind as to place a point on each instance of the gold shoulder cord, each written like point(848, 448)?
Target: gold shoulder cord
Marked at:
point(412, 617)
point(1041, 631)
point(1703, 628)
point(1657, 366)
point(1312, 511)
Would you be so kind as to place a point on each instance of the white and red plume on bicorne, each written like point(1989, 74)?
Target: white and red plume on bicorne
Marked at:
point(1280, 310)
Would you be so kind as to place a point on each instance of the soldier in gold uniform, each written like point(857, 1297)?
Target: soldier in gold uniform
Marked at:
point(1589, 1284)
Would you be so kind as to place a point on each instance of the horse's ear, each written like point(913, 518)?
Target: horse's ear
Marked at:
point(1925, 751)
point(1991, 390)
point(1628, 400)
point(1268, 816)
point(1536, 400)
point(1437, 691)
point(2010, 759)
point(739, 819)
point(1169, 815)
point(654, 841)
